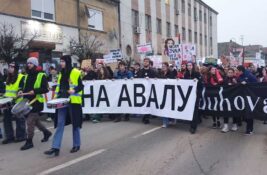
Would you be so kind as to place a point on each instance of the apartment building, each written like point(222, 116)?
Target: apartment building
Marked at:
point(57, 22)
point(152, 21)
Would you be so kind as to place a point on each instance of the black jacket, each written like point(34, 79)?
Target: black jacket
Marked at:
point(150, 73)
point(91, 75)
point(29, 86)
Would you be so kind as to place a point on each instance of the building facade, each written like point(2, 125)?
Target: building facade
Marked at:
point(152, 21)
point(56, 22)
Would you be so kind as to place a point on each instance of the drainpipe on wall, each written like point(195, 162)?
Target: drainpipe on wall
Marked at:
point(78, 21)
point(119, 20)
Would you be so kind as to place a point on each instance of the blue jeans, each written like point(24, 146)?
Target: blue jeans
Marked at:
point(165, 121)
point(57, 139)
point(8, 127)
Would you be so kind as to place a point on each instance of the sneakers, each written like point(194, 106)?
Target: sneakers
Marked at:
point(164, 126)
point(225, 128)
point(234, 127)
point(248, 133)
point(95, 121)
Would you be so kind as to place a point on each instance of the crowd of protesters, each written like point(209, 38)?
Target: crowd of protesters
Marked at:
point(206, 74)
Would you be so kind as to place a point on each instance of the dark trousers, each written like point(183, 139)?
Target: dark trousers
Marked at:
point(196, 118)
point(32, 121)
point(236, 120)
point(214, 119)
point(250, 123)
point(8, 126)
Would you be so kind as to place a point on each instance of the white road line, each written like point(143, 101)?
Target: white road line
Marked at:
point(148, 132)
point(72, 162)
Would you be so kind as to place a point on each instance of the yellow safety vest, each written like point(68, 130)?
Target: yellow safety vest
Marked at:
point(12, 89)
point(75, 98)
point(37, 85)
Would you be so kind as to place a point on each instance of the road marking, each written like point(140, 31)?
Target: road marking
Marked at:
point(147, 132)
point(72, 162)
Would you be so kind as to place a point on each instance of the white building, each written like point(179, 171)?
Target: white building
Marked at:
point(152, 21)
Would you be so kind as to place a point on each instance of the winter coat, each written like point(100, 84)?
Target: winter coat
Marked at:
point(247, 77)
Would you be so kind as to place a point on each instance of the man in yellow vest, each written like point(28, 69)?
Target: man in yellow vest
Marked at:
point(14, 84)
point(34, 87)
point(69, 86)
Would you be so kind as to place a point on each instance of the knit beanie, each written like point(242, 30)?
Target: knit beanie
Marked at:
point(33, 60)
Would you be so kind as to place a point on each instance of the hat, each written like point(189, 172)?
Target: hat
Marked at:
point(33, 60)
point(15, 65)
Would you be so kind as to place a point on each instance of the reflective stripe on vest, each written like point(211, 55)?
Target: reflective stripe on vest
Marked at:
point(37, 85)
point(12, 89)
point(73, 82)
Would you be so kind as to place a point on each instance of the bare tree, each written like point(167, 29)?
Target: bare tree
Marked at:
point(90, 47)
point(12, 45)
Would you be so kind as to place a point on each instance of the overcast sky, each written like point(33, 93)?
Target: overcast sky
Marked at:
point(241, 17)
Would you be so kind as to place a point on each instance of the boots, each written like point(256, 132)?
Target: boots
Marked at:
point(52, 151)
point(118, 119)
point(27, 145)
point(47, 134)
point(75, 149)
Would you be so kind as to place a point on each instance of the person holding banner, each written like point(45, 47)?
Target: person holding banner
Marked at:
point(122, 73)
point(192, 74)
point(214, 78)
point(230, 80)
point(166, 74)
point(69, 86)
point(35, 86)
point(244, 78)
point(147, 72)
point(136, 72)
point(14, 84)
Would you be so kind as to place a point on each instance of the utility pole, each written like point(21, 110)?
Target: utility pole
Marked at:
point(243, 55)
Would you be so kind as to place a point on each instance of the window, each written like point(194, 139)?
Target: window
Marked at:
point(190, 35)
point(183, 6)
point(95, 20)
point(158, 26)
point(200, 15)
point(148, 23)
point(43, 9)
point(206, 40)
point(195, 13)
point(205, 18)
point(210, 20)
point(135, 17)
point(176, 28)
point(183, 34)
point(176, 4)
point(200, 39)
point(195, 37)
point(189, 9)
point(168, 29)
point(211, 45)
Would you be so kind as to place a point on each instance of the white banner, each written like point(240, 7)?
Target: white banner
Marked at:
point(163, 98)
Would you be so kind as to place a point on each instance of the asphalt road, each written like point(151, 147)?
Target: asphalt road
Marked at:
point(132, 148)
